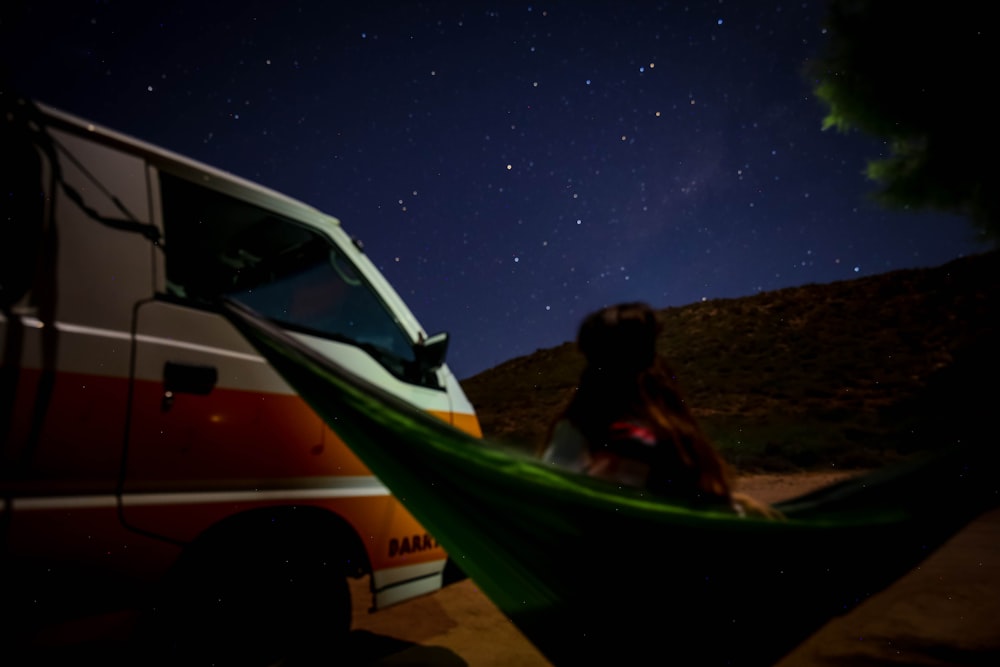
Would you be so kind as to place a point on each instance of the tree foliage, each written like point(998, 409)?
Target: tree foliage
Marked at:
point(921, 77)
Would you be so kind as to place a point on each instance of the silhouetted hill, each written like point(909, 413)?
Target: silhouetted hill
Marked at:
point(847, 374)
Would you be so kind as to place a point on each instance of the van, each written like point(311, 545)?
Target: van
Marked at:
point(149, 457)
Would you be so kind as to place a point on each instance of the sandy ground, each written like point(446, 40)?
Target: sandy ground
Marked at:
point(946, 612)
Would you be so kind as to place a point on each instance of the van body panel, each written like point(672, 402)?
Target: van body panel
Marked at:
point(59, 444)
point(82, 536)
point(99, 271)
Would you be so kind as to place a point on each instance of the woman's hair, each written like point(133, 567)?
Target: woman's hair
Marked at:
point(625, 378)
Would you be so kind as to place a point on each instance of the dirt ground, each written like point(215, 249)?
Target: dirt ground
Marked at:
point(946, 612)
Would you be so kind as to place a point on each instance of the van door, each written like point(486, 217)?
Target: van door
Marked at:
point(213, 428)
point(211, 423)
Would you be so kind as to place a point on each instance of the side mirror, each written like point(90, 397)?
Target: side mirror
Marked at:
point(431, 352)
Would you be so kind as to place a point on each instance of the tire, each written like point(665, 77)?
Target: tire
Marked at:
point(243, 602)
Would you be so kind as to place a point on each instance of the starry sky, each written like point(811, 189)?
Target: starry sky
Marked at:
point(509, 166)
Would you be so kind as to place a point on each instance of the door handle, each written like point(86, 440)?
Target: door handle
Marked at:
point(186, 379)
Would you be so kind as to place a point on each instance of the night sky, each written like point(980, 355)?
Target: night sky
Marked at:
point(509, 166)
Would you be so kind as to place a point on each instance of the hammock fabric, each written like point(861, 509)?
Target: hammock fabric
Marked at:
point(592, 573)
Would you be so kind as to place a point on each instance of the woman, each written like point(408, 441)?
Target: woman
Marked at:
point(628, 422)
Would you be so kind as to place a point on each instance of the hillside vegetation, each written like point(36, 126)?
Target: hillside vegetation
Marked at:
point(850, 374)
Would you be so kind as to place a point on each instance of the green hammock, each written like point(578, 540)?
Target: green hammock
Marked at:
point(592, 573)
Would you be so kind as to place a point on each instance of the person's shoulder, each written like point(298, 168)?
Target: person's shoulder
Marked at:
point(568, 447)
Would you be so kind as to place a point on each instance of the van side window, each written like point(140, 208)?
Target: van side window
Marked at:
point(219, 245)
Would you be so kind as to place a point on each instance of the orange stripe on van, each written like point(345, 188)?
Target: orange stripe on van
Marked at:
point(466, 422)
point(227, 440)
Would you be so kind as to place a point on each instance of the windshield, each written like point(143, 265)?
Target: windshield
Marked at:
point(220, 245)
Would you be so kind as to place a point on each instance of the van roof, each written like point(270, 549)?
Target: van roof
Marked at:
point(193, 169)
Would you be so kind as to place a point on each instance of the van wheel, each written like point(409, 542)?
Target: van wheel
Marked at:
point(248, 602)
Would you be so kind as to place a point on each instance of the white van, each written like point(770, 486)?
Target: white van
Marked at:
point(149, 458)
